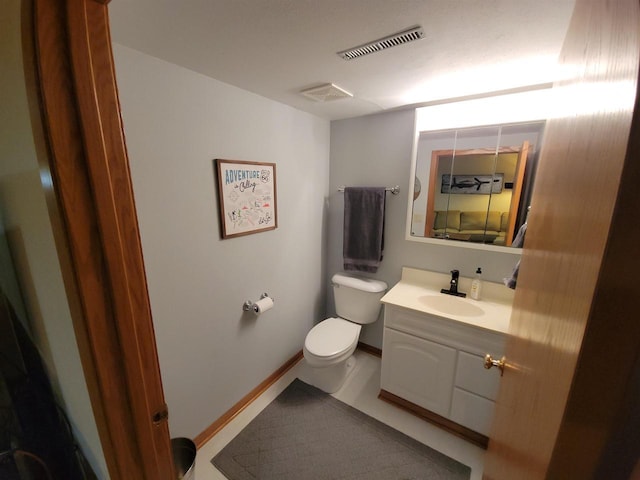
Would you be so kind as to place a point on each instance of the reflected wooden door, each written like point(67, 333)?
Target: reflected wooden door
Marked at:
point(558, 402)
point(516, 194)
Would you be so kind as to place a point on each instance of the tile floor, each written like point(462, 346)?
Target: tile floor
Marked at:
point(360, 391)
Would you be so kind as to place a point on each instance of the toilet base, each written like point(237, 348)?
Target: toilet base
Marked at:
point(330, 379)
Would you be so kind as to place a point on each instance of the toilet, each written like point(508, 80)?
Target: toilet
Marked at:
point(329, 346)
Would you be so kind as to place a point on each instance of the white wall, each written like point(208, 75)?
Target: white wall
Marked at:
point(376, 151)
point(29, 235)
point(176, 123)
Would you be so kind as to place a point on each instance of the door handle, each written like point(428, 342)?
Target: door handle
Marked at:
point(491, 362)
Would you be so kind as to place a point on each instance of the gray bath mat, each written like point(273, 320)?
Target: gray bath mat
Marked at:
point(306, 434)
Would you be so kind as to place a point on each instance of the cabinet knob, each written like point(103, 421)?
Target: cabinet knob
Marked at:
point(490, 362)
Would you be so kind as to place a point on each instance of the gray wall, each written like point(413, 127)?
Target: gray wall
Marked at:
point(177, 122)
point(28, 245)
point(376, 151)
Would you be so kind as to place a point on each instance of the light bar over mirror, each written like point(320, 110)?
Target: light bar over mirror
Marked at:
point(473, 170)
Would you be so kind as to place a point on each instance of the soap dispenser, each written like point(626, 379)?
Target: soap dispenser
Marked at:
point(476, 285)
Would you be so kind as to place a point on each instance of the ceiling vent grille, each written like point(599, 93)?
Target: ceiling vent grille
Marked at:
point(394, 40)
point(326, 93)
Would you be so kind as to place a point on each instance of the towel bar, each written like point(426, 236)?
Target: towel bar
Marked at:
point(394, 190)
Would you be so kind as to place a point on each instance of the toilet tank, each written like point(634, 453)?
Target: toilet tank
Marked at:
point(357, 298)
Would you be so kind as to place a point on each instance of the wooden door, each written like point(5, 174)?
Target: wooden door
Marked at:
point(574, 335)
point(98, 237)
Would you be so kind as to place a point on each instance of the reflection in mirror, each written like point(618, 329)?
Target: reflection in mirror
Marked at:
point(476, 183)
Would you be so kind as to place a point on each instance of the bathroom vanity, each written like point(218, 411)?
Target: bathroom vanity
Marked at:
point(433, 351)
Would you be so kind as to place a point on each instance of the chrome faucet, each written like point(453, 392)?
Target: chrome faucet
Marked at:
point(453, 285)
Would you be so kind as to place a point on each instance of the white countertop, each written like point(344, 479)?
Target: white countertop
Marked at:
point(416, 289)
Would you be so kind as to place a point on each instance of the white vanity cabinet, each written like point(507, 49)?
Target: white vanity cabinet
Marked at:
point(435, 365)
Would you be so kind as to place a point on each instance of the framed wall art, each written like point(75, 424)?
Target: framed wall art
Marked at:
point(247, 196)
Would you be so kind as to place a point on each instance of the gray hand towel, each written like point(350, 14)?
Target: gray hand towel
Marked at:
point(512, 281)
point(518, 242)
point(363, 228)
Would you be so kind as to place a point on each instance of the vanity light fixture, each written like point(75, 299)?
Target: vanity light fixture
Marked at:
point(527, 106)
point(410, 35)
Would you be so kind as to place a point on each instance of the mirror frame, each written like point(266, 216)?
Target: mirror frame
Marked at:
point(524, 107)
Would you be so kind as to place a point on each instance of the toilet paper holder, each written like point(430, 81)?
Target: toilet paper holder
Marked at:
point(248, 305)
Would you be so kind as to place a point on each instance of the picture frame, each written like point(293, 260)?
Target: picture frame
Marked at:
point(247, 197)
point(472, 184)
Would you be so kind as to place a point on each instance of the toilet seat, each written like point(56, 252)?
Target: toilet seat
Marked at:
point(331, 341)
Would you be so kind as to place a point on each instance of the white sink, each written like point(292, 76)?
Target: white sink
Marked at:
point(451, 305)
point(419, 290)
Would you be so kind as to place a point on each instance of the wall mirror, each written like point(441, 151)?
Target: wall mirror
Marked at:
point(475, 183)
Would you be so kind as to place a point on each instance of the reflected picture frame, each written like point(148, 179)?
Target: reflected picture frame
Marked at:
point(472, 184)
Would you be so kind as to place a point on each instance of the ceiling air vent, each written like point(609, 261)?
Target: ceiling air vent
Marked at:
point(326, 93)
point(410, 35)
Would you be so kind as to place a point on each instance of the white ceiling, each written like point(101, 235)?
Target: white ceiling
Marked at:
point(275, 48)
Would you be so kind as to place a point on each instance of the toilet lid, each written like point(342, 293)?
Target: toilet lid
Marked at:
point(331, 337)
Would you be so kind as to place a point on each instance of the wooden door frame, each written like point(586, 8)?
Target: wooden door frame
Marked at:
point(104, 275)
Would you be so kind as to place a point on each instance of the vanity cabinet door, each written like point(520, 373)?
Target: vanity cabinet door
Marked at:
point(418, 370)
point(472, 411)
point(476, 388)
point(473, 377)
